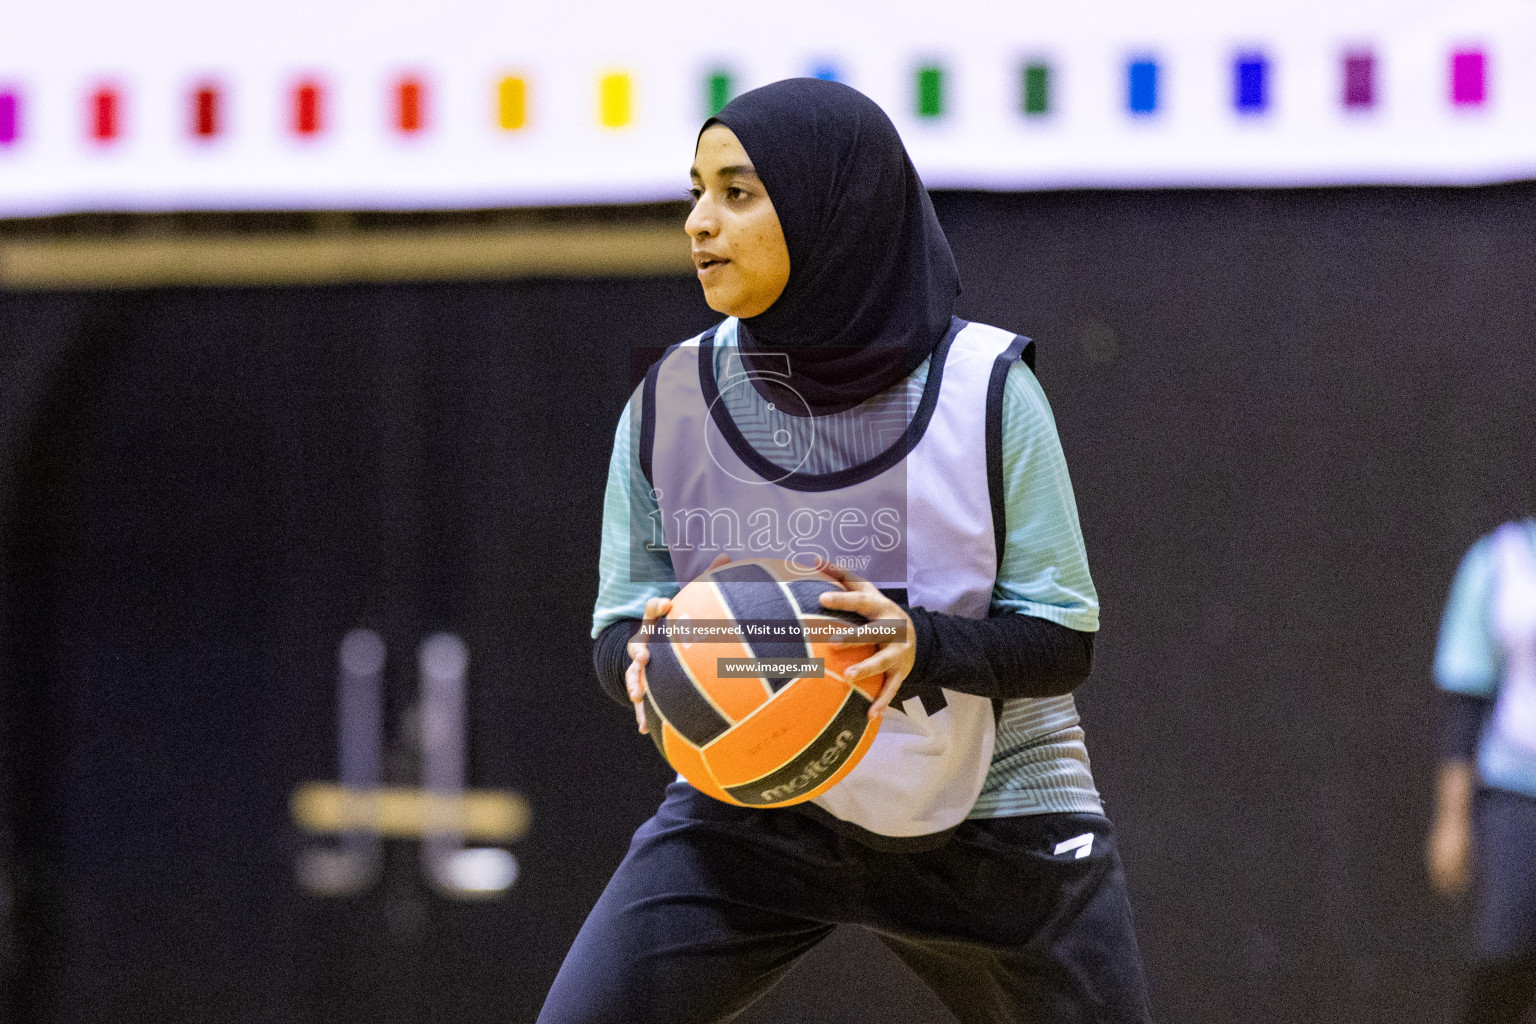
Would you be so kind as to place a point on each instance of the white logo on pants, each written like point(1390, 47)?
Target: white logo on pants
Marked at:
point(1083, 844)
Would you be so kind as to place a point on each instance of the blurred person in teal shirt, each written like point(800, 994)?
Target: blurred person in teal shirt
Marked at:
point(1484, 834)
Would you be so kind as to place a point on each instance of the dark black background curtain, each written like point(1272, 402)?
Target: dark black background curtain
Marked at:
point(1286, 415)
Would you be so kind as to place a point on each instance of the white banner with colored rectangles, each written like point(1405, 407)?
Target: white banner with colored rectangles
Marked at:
point(303, 104)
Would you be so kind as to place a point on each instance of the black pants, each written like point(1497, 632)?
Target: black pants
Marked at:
point(1503, 985)
point(715, 903)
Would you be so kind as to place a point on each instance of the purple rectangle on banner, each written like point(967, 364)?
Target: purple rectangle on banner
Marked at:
point(10, 118)
point(1359, 79)
point(1469, 75)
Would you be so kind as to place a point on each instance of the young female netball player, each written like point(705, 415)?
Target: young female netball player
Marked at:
point(976, 849)
point(1485, 824)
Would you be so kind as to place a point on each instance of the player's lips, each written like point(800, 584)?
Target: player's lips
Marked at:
point(705, 261)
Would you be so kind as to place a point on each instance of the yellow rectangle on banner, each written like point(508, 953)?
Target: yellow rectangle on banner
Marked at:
point(401, 813)
point(512, 103)
point(615, 102)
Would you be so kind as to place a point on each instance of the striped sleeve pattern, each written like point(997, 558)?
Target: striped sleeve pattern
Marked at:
point(1040, 761)
point(1044, 571)
point(628, 573)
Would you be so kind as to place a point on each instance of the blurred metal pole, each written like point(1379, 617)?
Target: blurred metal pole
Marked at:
point(453, 869)
point(353, 864)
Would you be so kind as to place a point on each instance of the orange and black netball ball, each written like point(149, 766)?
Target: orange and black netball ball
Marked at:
point(745, 694)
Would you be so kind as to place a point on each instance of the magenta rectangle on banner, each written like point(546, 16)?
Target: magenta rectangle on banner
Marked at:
point(10, 117)
point(1469, 78)
point(1359, 79)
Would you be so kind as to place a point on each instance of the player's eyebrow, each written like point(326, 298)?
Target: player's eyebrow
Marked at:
point(729, 171)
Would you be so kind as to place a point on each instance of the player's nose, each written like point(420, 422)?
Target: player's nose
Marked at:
point(701, 222)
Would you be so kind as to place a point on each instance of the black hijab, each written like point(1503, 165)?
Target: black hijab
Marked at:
point(872, 282)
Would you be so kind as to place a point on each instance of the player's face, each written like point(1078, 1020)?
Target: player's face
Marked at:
point(738, 245)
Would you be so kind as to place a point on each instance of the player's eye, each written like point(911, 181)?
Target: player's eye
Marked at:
point(695, 194)
point(736, 194)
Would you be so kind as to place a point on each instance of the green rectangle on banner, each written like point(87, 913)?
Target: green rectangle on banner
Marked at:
point(717, 90)
point(930, 91)
point(1037, 88)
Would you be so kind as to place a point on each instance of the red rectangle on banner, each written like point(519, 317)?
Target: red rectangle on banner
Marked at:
point(412, 114)
point(104, 114)
point(205, 111)
point(308, 100)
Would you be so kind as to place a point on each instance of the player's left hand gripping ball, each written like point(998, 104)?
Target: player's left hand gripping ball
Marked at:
point(893, 661)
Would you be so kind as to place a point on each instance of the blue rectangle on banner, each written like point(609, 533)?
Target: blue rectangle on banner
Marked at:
point(1250, 81)
point(1143, 86)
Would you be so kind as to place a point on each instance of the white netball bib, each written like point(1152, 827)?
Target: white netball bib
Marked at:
point(919, 519)
point(1514, 620)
